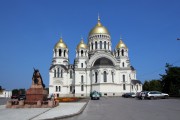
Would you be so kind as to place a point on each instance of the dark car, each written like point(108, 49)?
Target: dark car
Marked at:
point(129, 95)
point(22, 97)
point(95, 95)
point(14, 97)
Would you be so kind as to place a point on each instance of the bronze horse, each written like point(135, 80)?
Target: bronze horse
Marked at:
point(37, 79)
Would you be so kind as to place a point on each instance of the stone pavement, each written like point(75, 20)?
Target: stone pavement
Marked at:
point(61, 111)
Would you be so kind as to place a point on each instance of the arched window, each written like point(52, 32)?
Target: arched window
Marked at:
point(96, 45)
point(108, 45)
point(104, 44)
point(92, 46)
point(82, 79)
point(122, 52)
point(71, 74)
point(81, 65)
point(118, 52)
point(60, 52)
point(54, 73)
point(123, 64)
point(124, 86)
point(100, 44)
point(56, 88)
point(124, 78)
point(81, 52)
point(58, 72)
point(105, 76)
point(137, 87)
point(112, 76)
point(82, 87)
point(61, 73)
point(64, 53)
point(96, 77)
point(59, 88)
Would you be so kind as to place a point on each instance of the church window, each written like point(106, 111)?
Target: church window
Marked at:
point(96, 45)
point(92, 46)
point(56, 88)
point(123, 64)
point(61, 73)
point(81, 65)
point(100, 44)
point(104, 44)
point(123, 78)
point(54, 73)
point(132, 87)
point(118, 52)
point(59, 88)
point(64, 53)
point(108, 45)
point(112, 77)
point(82, 87)
point(81, 52)
point(82, 79)
point(124, 86)
point(122, 52)
point(60, 52)
point(71, 74)
point(58, 72)
point(105, 76)
point(57, 95)
point(96, 75)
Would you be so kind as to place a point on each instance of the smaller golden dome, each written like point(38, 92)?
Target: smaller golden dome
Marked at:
point(121, 45)
point(60, 44)
point(82, 45)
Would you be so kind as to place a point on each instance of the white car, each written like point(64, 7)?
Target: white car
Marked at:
point(156, 94)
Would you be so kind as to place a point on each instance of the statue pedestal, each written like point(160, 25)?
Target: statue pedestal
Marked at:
point(35, 94)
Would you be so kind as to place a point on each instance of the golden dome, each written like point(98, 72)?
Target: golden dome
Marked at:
point(99, 29)
point(60, 44)
point(82, 45)
point(121, 45)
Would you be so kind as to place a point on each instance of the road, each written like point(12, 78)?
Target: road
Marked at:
point(119, 108)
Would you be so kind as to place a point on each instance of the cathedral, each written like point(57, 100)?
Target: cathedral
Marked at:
point(97, 67)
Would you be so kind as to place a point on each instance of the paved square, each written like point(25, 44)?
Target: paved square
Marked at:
point(119, 108)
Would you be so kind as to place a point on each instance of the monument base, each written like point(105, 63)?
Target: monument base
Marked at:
point(35, 94)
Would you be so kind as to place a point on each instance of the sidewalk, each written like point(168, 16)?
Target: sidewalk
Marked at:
point(61, 111)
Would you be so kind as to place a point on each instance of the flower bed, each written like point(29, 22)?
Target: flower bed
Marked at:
point(67, 99)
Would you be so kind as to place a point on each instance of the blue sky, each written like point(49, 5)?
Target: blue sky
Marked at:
point(29, 29)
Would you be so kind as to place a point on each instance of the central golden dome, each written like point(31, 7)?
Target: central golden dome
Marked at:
point(60, 44)
point(82, 45)
point(99, 29)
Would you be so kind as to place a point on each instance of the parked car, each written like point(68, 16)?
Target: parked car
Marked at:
point(141, 95)
point(22, 97)
point(95, 95)
point(129, 95)
point(14, 97)
point(156, 94)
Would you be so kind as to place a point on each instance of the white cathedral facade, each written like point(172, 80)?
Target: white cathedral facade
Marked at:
point(97, 67)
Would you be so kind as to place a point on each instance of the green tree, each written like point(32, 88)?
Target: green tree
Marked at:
point(15, 92)
point(171, 80)
point(152, 85)
point(146, 86)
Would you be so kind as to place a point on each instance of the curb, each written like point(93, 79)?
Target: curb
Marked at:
point(70, 115)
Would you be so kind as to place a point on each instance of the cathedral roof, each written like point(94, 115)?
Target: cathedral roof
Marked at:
point(60, 44)
point(99, 29)
point(121, 44)
point(82, 45)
